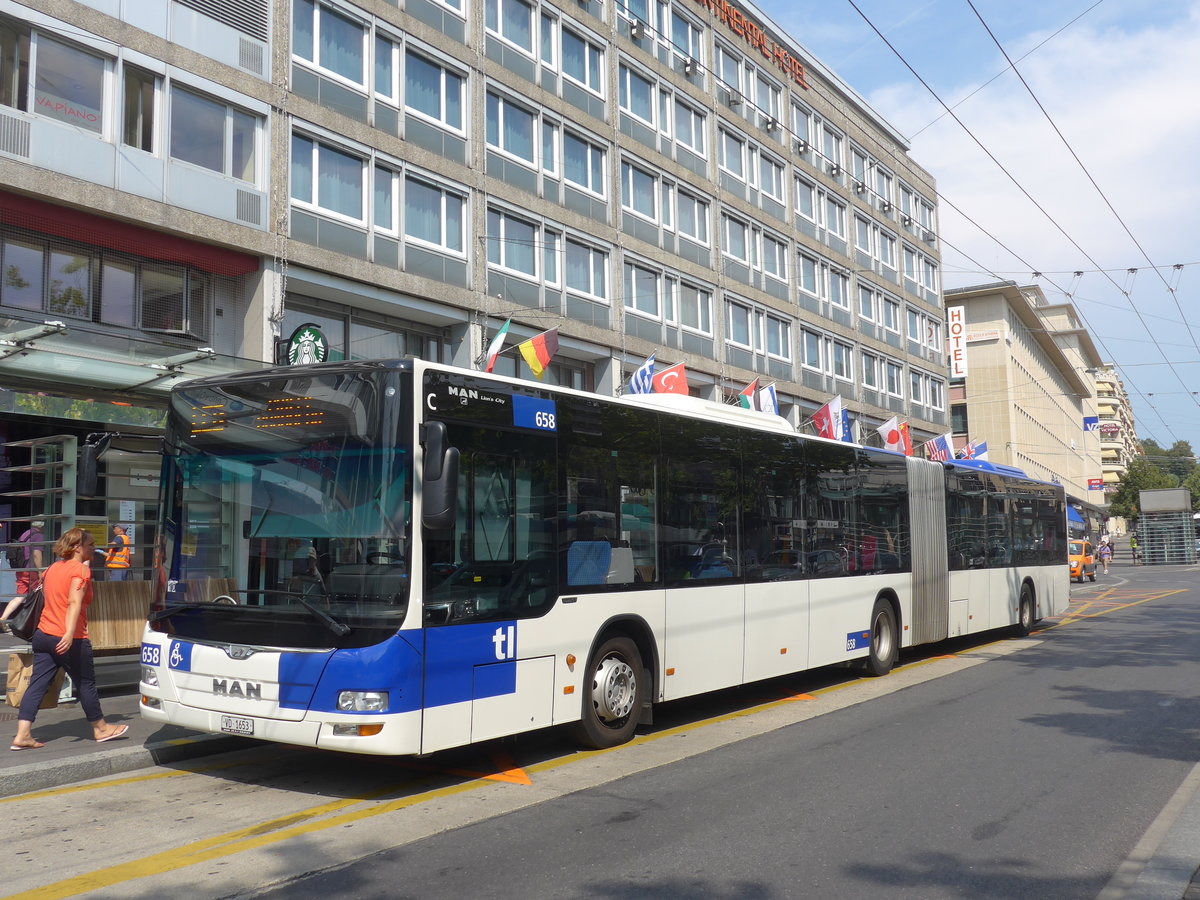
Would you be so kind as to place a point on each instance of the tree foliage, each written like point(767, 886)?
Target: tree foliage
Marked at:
point(1157, 468)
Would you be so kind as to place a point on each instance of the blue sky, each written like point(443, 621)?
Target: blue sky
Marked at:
point(1121, 81)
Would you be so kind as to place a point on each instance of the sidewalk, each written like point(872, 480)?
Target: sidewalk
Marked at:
point(70, 754)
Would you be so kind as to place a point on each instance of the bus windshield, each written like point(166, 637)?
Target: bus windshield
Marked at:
point(287, 511)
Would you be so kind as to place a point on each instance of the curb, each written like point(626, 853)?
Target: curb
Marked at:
point(41, 776)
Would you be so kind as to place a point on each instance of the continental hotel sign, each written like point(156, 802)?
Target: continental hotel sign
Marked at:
point(742, 26)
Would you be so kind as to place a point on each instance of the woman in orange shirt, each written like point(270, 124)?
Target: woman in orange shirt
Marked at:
point(61, 639)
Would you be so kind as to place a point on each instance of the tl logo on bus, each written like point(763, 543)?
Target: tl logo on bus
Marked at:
point(505, 642)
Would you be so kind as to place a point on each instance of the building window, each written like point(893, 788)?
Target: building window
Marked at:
point(214, 135)
point(511, 20)
point(894, 375)
point(329, 40)
point(779, 338)
point(583, 163)
point(732, 155)
point(138, 121)
point(808, 275)
point(839, 290)
point(695, 309)
point(729, 68)
point(510, 128)
point(770, 177)
point(835, 217)
point(914, 387)
point(636, 94)
point(812, 351)
point(69, 84)
point(866, 303)
point(692, 217)
point(433, 90)
point(870, 371)
point(587, 270)
point(689, 128)
point(843, 356)
point(734, 238)
point(774, 257)
point(512, 243)
point(434, 215)
point(891, 315)
point(806, 199)
point(737, 325)
point(327, 178)
point(639, 190)
point(582, 61)
point(641, 290)
point(686, 37)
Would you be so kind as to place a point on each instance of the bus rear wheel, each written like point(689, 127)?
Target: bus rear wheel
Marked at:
point(613, 693)
point(1024, 624)
point(884, 639)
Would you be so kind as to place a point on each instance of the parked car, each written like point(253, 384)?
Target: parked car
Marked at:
point(1082, 559)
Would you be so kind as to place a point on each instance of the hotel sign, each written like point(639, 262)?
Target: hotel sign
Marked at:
point(752, 33)
point(956, 327)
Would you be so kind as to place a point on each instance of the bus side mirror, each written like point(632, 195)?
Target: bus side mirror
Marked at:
point(439, 480)
point(89, 462)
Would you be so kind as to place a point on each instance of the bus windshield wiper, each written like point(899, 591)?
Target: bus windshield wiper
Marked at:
point(339, 628)
point(166, 613)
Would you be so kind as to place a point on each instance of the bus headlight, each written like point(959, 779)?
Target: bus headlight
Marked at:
point(150, 676)
point(362, 701)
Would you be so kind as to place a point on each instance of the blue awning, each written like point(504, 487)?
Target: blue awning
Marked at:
point(1073, 515)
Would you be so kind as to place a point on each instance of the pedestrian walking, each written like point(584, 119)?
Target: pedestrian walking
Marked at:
point(61, 640)
point(1105, 553)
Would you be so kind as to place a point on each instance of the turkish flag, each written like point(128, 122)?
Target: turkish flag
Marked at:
point(672, 380)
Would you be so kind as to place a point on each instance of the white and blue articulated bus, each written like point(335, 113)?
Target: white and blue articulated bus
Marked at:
point(398, 557)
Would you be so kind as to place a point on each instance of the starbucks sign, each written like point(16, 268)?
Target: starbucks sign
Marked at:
point(307, 345)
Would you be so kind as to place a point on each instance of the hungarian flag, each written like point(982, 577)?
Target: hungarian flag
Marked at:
point(830, 421)
point(493, 349)
point(539, 349)
point(671, 380)
point(748, 398)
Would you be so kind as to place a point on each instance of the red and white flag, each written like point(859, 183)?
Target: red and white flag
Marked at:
point(671, 380)
point(829, 420)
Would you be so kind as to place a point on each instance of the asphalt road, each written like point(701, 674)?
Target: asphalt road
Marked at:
point(984, 768)
point(1031, 776)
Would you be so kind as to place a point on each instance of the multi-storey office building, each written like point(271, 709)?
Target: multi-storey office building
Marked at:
point(185, 180)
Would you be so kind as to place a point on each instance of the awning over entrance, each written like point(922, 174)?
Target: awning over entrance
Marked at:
point(50, 353)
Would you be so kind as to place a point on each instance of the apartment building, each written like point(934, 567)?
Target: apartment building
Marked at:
point(184, 182)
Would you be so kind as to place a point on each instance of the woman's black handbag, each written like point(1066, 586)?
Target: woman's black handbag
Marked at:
point(26, 617)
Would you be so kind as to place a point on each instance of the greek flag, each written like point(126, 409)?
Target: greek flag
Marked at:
point(642, 380)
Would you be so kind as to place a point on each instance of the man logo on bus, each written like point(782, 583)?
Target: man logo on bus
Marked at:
point(505, 641)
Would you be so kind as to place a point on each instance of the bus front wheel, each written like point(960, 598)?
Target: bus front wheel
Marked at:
point(613, 693)
point(884, 639)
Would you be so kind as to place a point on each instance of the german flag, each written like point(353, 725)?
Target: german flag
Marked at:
point(539, 349)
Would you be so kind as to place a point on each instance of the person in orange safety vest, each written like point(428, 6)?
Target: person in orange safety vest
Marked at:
point(117, 560)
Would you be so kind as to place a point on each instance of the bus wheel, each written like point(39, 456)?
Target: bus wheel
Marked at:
point(613, 694)
point(884, 639)
point(1024, 623)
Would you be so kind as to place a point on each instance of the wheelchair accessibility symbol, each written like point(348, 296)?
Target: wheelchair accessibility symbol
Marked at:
point(180, 657)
